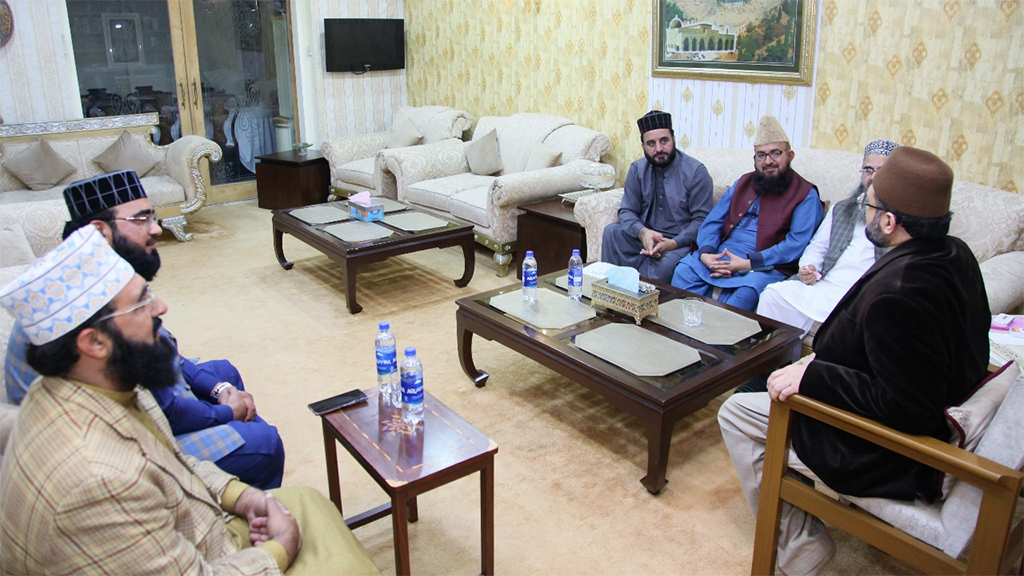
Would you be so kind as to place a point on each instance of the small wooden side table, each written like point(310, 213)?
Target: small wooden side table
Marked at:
point(407, 463)
point(551, 231)
point(286, 179)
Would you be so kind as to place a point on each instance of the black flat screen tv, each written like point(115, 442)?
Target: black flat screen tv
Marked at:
point(364, 44)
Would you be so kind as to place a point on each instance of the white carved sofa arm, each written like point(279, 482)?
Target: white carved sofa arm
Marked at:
point(594, 213)
point(341, 151)
point(182, 164)
point(427, 162)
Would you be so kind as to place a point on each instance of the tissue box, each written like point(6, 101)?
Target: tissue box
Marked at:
point(371, 213)
point(638, 305)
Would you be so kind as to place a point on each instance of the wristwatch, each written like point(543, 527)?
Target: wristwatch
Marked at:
point(220, 387)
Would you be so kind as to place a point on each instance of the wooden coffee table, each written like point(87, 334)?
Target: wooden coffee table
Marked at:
point(350, 256)
point(659, 402)
point(407, 463)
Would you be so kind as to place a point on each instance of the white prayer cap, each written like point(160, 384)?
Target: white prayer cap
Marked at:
point(67, 286)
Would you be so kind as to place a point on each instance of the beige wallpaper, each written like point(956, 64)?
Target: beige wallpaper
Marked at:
point(944, 75)
point(586, 60)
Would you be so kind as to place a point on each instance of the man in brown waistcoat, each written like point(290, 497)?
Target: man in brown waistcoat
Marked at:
point(755, 234)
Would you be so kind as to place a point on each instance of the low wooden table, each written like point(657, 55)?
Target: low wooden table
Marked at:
point(350, 256)
point(550, 229)
point(405, 463)
point(288, 179)
point(659, 402)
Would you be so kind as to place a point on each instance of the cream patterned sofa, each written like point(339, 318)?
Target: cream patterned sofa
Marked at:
point(439, 178)
point(989, 220)
point(175, 184)
point(354, 160)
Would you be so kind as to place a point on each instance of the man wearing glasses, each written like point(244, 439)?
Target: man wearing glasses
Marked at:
point(93, 480)
point(839, 253)
point(211, 414)
point(755, 234)
point(908, 339)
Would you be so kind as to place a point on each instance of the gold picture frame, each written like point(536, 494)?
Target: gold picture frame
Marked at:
point(740, 42)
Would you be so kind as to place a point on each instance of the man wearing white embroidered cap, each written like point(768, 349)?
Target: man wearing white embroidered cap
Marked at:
point(94, 482)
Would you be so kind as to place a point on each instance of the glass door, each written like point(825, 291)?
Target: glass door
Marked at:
point(216, 68)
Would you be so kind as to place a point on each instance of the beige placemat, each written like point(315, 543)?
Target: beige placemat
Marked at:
point(639, 351)
point(388, 204)
point(415, 221)
point(552, 310)
point(718, 326)
point(321, 214)
point(357, 231)
point(563, 282)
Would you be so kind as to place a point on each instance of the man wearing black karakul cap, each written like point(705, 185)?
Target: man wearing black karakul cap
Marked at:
point(907, 340)
point(667, 195)
point(210, 413)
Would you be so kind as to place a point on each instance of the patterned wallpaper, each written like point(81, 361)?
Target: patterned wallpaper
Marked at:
point(586, 60)
point(942, 75)
point(346, 103)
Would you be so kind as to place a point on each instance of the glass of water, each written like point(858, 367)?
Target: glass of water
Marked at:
point(692, 308)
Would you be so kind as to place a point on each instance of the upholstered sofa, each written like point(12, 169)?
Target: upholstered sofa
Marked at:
point(354, 160)
point(440, 178)
point(174, 183)
point(989, 220)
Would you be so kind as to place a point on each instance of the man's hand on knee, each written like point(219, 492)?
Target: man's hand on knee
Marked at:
point(785, 382)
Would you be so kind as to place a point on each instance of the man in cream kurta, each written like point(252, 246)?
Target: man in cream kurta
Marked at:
point(837, 256)
point(93, 480)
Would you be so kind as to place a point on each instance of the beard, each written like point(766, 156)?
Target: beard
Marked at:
point(146, 264)
point(148, 365)
point(771, 185)
point(661, 163)
point(874, 231)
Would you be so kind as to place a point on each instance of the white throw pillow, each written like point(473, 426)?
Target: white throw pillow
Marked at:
point(542, 157)
point(405, 134)
point(14, 247)
point(971, 418)
point(126, 154)
point(482, 154)
point(39, 166)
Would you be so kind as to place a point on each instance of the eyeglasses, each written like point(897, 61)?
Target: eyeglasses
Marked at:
point(146, 219)
point(775, 154)
point(868, 170)
point(148, 297)
point(862, 201)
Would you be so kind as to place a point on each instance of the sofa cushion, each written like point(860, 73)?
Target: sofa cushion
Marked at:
point(357, 172)
point(405, 134)
point(991, 221)
point(39, 166)
point(576, 142)
point(438, 193)
point(126, 154)
point(14, 247)
point(471, 205)
point(163, 190)
point(482, 154)
point(517, 136)
point(541, 157)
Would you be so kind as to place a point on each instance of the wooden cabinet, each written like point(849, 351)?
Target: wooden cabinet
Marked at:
point(287, 180)
point(551, 231)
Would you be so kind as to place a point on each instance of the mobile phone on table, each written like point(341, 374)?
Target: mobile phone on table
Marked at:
point(350, 398)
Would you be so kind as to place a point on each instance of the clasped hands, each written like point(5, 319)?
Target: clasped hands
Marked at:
point(724, 264)
point(808, 274)
point(243, 407)
point(655, 243)
point(269, 519)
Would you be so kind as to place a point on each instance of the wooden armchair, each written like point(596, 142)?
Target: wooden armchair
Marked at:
point(980, 507)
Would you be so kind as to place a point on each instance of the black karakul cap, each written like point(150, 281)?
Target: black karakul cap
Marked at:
point(654, 120)
point(93, 195)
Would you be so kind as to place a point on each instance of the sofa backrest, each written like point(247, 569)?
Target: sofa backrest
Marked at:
point(576, 142)
point(518, 133)
point(436, 123)
point(989, 220)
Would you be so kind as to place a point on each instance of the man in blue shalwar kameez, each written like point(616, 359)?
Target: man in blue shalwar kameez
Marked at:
point(755, 234)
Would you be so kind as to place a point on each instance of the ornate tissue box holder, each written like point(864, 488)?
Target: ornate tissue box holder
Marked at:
point(639, 305)
point(371, 213)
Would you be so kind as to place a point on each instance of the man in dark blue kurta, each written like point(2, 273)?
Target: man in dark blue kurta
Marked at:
point(667, 196)
point(755, 234)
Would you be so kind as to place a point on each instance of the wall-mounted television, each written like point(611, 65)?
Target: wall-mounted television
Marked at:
point(364, 44)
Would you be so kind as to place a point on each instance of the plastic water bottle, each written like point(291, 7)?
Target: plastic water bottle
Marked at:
point(412, 388)
point(575, 275)
point(529, 277)
point(387, 365)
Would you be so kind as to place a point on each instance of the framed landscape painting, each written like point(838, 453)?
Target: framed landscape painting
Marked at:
point(763, 41)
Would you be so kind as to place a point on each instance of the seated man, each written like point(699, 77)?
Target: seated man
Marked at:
point(211, 414)
point(667, 196)
point(907, 340)
point(757, 231)
point(838, 254)
point(93, 482)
